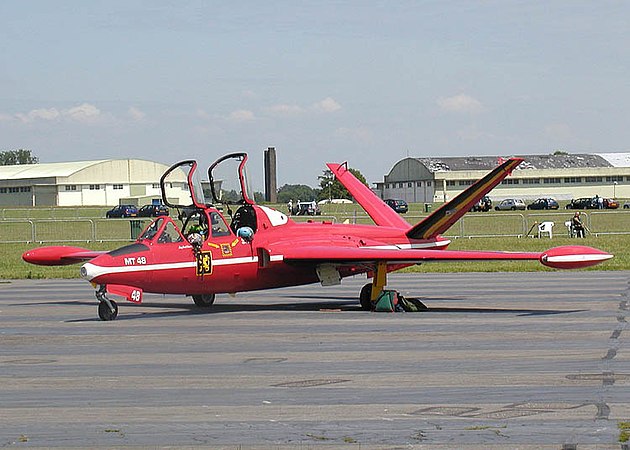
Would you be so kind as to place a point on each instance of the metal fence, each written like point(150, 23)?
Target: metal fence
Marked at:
point(70, 230)
point(56, 212)
point(470, 226)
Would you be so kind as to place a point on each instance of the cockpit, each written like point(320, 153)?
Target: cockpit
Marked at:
point(204, 223)
point(181, 189)
point(230, 197)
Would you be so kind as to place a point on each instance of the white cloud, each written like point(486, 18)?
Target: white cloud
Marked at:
point(241, 115)
point(461, 103)
point(84, 113)
point(135, 114)
point(39, 114)
point(328, 105)
point(286, 110)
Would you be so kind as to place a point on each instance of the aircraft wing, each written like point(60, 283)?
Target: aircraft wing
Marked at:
point(381, 213)
point(60, 255)
point(565, 257)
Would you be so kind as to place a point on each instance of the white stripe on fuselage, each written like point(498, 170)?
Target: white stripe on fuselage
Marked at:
point(92, 270)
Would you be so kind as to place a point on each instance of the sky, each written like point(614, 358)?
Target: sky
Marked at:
point(368, 82)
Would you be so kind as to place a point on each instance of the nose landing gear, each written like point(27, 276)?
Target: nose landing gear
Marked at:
point(107, 309)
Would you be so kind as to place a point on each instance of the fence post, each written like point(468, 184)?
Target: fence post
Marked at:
point(32, 230)
point(93, 229)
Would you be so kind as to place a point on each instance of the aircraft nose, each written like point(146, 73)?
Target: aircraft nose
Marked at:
point(89, 271)
point(85, 272)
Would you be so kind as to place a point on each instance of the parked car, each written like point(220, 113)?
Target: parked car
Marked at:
point(610, 203)
point(484, 204)
point(153, 211)
point(626, 205)
point(510, 204)
point(582, 203)
point(306, 209)
point(122, 211)
point(400, 206)
point(544, 203)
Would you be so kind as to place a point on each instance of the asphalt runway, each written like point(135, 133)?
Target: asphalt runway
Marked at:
point(505, 360)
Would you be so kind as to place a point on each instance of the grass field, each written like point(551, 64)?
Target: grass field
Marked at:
point(608, 234)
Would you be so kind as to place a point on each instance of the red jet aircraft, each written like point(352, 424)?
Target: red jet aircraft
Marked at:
point(262, 248)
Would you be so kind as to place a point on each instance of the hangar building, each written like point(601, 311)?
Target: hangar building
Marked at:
point(562, 176)
point(84, 183)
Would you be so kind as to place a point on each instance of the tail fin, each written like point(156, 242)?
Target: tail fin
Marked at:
point(445, 216)
point(376, 208)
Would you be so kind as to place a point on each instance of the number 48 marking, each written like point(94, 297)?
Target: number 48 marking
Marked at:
point(136, 296)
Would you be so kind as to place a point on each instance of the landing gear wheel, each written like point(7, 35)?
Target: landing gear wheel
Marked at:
point(105, 312)
point(203, 300)
point(365, 297)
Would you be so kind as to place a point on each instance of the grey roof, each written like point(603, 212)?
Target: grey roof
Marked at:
point(442, 164)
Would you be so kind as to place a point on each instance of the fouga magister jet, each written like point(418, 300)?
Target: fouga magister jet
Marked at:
point(262, 248)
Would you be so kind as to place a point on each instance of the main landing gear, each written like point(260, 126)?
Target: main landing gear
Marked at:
point(203, 300)
point(371, 292)
point(365, 297)
point(107, 309)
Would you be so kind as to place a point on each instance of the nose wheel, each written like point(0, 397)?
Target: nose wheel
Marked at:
point(108, 312)
point(107, 309)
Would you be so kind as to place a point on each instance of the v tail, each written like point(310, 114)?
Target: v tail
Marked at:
point(445, 216)
point(440, 220)
point(377, 209)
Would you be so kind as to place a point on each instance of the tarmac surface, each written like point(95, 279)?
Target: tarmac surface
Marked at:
point(503, 360)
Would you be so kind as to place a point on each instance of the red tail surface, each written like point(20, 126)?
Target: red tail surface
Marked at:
point(376, 208)
point(446, 215)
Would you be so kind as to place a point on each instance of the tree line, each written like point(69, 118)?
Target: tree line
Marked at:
point(329, 188)
point(17, 157)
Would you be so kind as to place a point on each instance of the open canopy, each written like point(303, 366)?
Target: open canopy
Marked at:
point(181, 187)
point(229, 181)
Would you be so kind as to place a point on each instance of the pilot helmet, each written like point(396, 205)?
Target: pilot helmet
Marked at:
point(245, 233)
